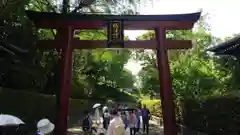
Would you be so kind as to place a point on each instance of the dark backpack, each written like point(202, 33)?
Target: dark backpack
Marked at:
point(86, 122)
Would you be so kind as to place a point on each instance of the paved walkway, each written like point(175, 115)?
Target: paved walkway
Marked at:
point(154, 129)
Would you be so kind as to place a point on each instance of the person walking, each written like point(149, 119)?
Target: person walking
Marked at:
point(132, 122)
point(126, 110)
point(87, 124)
point(138, 116)
point(145, 117)
point(119, 108)
point(125, 119)
point(106, 119)
point(97, 116)
point(116, 125)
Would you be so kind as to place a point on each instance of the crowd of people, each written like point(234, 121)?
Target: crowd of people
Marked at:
point(117, 120)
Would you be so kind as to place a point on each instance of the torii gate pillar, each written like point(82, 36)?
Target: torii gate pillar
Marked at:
point(166, 93)
point(64, 37)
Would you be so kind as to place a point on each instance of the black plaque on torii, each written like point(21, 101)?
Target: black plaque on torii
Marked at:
point(115, 33)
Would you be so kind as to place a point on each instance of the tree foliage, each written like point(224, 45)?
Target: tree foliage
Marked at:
point(92, 69)
point(203, 84)
point(194, 74)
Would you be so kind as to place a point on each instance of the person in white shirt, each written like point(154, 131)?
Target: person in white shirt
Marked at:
point(116, 125)
point(97, 116)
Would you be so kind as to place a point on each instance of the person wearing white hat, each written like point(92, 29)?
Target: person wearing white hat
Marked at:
point(44, 126)
point(104, 109)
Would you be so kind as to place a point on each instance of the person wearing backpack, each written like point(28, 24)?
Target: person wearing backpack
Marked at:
point(116, 125)
point(86, 124)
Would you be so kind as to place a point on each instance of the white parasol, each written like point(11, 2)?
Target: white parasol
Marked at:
point(9, 120)
point(96, 105)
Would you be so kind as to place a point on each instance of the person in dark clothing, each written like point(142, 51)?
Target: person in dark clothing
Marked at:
point(86, 123)
point(106, 119)
point(125, 119)
point(145, 117)
point(138, 114)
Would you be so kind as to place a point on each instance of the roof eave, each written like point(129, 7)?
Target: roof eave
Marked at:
point(49, 20)
point(33, 15)
point(225, 45)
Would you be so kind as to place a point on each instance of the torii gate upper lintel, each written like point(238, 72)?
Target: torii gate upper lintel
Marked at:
point(65, 25)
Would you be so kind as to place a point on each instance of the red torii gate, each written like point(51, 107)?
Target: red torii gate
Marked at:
point(65, 25)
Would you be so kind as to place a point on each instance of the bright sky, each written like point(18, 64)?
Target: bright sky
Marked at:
point(224, 18)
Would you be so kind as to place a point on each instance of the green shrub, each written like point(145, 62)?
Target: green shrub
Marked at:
point(31, 107)
point(216, 116)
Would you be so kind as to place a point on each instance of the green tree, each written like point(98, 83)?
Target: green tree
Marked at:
point(89, 67)
point(194, 75)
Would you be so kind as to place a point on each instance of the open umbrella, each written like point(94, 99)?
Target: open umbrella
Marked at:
point(96, 105)
point(9, 120)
